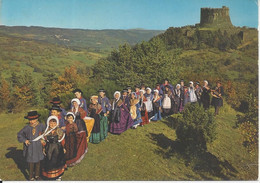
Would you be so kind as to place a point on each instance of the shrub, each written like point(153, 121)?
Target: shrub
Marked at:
point(196, 128)
point(250, 136)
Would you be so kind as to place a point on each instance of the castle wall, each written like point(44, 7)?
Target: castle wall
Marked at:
point(215, 17)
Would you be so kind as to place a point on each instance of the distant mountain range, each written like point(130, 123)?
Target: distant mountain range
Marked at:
point(92, 40)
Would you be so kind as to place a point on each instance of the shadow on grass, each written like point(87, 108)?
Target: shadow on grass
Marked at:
point(171, 121)
point(17, 156)
point(203, 163)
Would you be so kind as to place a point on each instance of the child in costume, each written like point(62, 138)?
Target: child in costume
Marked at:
point(54, 161)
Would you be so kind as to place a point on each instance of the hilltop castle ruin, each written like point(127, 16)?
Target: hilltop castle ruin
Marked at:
point(215, 17)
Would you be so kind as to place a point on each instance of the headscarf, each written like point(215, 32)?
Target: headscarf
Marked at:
point(205, 81)
point(142, 91)
point(149, 89)
point(78, 102)
point(133, 93)
point(71, 113)
point(117, 92)
point(75, 100)
point(94, 97)
point(47, 130)
point(157, 91)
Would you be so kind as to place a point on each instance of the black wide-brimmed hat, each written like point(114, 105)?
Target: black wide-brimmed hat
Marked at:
point(124, 90)
point(137, 86)
point(182, 80)
point(55, 100)
point(219, 81)
point(55, 107)
point(77, 90)
point(128, 87)
point(101, 90)
point(32, 115)
point(197, 83)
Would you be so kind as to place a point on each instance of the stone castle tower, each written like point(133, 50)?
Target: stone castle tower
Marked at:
point(215, 17)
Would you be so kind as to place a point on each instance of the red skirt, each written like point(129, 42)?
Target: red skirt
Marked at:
point(145, 119)
point(82, 148)
point(54, 173)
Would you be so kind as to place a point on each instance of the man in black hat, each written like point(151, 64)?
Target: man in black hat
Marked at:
point(217, 100)
point(129, 91)
point(125, 98)
point(32, 150)
point(83, 104)
point(56, 111)
point(166, 83)
point(57, 102)
point(104, 102)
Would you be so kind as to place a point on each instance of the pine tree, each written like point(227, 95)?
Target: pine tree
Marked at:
point(4, 94)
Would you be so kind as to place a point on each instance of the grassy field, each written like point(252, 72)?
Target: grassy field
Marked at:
point(142, 154)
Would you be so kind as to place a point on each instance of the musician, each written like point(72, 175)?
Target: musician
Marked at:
point(32, 150)
point(217, 100)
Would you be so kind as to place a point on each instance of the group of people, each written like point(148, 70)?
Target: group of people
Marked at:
point(63, 141)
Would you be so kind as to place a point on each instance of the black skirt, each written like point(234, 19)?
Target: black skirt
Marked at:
point(54, 154)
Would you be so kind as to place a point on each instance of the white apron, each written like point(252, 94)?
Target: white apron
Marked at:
point(166, 104)
point(149, 104)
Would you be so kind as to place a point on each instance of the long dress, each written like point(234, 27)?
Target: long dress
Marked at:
point(71, 141)
point(149, 104)
point(198, 92)
point(157, 103)
point(75, 145)
point(81, 138)
point(100, 129)
point(177, 101)
point(167, 103)
point(54, 161)
point(182, 99)
point(120, 118)
point(135, 112)
point(144, 113)
point(186, 97)
point(89, 122)
point(205, 98)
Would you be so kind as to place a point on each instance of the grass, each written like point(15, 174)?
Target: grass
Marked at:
point(142, 154)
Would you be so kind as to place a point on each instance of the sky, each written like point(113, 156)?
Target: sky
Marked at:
point(120, 14)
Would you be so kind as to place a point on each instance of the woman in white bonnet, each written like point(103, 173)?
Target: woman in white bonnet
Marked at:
point(120, 116)
point(205, 96)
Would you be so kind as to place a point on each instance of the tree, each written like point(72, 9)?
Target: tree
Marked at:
point(4, 94)
point(68, 81)
point(197, 128)
point(24, 91)
point(147, 62)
